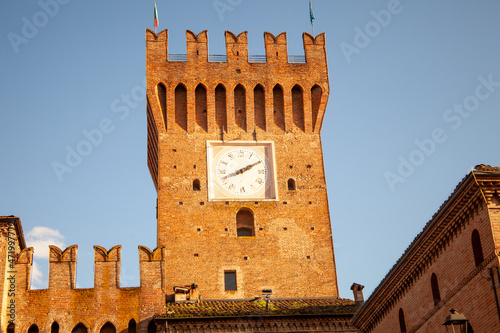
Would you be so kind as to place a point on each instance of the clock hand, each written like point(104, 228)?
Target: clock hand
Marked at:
point(230, 175)
point(240, 171)
point(248, 167)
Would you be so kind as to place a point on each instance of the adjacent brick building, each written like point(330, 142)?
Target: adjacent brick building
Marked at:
point(452, 263)
point(244, 240)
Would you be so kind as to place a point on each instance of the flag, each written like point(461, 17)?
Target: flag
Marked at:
point(311, 13)
point(156, 18)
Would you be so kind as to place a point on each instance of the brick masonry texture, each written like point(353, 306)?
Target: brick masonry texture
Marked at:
point(275, 101)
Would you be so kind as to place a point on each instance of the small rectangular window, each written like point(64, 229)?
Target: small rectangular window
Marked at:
point(230, 280)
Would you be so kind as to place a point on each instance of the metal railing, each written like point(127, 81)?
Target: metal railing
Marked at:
point(293, 59)
point(217, 58)
point(296, 59)
point(177, 57)
point(257, 58)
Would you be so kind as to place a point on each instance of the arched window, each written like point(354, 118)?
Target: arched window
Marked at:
point(279, 107)
point(108, 328)
point(435, 289)
point(196, 185)
point(161, 92)
point(291, 184)
point(152, 326)
point(476, 247)
point(200, 94)
point(240, 108)
point(54, 328)
point(80, 328)
point(298, 107)
point(244, 222)
point(259, 106)
point(11, 328)
point(33, 329)
point(132, 326)
point(220, 107)
point(316, 93)
point(181, 106)
point(402, 323)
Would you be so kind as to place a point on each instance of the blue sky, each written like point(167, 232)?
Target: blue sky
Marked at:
point(414, 105)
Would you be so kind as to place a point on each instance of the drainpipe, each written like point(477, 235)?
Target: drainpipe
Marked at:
point(492, 277)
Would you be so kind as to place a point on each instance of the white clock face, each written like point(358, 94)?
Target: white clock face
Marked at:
point(241, 171)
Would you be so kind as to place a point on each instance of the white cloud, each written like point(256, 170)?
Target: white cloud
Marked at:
point(37, 280)
point(41, 237)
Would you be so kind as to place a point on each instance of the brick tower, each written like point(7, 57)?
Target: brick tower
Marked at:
point(234, 150)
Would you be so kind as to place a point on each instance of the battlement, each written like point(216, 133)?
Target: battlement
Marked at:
point(236, 94)
point(236, 48)
point(62, 267)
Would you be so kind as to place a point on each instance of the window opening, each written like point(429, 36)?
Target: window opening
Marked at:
point(230, 280)
point(108, 328)
point(435, 289)
point(245, 223)
point(291, 184)
point(477, 248)
point(54, 328)
point(132, 326)
point(33, 329)
point(152, 327)
point(79, 328)
point(11, 328)
point(402, 323)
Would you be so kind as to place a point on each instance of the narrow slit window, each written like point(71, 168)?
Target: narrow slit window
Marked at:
point(196, 185)
point(402, 323)
point(435, 289)
point(477, 248)
point(291, 184)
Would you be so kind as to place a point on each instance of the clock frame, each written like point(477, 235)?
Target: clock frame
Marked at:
point(241, 171)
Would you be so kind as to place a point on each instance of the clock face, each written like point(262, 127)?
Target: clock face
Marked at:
point(241, 170)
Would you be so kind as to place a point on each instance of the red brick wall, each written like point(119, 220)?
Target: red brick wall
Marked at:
point(91, 306)
point(292, 249)
point(462, 286)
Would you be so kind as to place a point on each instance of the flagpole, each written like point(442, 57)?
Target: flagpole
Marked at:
point(311, 17)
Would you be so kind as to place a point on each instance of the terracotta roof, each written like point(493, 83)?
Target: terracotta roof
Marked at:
point(17, 224)
point(257, 307)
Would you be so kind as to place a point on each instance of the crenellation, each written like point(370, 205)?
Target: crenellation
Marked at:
point(276, 47)
point(23, 268)
point(197, 46)
point(107, 267)
point(151, 263)
point(236, 47)
point(301, 110)
point(314, 48)
point(62, 267)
